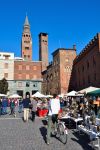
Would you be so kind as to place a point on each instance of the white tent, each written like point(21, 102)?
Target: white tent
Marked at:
point(72, 93)
point(61, 95)
point(89, 89)
point(39, 95)
point(48, 96)
point(14, 96)
point(3, 95)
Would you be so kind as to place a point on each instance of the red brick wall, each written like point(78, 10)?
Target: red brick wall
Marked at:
point(30, 69)
point(86, 66)
point(26, 42)
point(66, 63)
point(43, 50)
point(57, 76)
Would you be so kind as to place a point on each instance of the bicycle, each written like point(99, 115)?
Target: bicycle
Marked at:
point(61, 132)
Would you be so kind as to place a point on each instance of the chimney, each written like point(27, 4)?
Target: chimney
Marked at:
point(74, 46)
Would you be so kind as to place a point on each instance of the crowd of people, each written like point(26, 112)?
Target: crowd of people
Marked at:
point(12, 105)
point(75, 106)
point(6, 104)
point(28, 105)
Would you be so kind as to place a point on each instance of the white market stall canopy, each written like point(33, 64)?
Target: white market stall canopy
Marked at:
point(73, 93)
point(61, 95)
point(48, 96)
point(14, 96)
point(89, 89)
point(39, 95)
point(3, 95)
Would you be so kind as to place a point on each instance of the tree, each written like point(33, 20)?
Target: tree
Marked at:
point(3, 86)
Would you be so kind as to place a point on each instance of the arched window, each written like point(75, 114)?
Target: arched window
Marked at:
point(68, 69)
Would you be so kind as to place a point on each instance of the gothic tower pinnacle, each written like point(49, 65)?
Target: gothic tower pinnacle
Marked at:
point(26, 46)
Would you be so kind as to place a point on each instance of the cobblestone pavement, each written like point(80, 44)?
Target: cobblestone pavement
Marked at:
point(18, 135)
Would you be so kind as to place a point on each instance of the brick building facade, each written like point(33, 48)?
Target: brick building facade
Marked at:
point(86, 66)
point(6, 65)
point(57, 76)
point(27, 70)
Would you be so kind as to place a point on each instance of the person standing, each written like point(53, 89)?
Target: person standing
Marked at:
point(54, 108)
point(34, 108)
point(26, 104)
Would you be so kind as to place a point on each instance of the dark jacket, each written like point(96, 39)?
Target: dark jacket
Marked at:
point(26, 103)
point(4, 103)
point(12, 104)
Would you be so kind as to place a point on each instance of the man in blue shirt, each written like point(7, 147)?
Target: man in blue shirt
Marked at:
point(26, 104)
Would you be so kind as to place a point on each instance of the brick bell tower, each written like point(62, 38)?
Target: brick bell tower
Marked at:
point(43, 50)
point(26, 45)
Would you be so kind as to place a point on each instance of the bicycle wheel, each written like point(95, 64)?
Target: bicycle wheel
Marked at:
point(62, 133)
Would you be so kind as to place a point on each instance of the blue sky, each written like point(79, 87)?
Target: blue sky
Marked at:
point(67, 22)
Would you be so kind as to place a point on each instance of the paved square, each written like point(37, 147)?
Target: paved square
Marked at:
point(17, 135)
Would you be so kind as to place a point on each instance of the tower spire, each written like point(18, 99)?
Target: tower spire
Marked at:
point(26, 21)
point(26, 45)
point(26, 25)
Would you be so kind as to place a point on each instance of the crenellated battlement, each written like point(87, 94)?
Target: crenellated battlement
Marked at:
point(91, 44)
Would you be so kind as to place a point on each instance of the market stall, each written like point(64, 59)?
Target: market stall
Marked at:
point(89, 89)
point(94, 97)
point(15, 96)
point(42, 107)
point(94, 93)
point(3, 95)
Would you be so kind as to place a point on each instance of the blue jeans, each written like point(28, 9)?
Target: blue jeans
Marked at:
point(20, 108)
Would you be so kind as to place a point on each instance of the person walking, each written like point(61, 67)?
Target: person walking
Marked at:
point(26, 103)
point(20, 106)
point(34, 108)
point(0, 106)
point(12, 107)
point(4, 106)
point(54, 108)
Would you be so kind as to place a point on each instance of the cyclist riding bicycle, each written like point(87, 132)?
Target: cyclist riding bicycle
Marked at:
point(54, 108)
